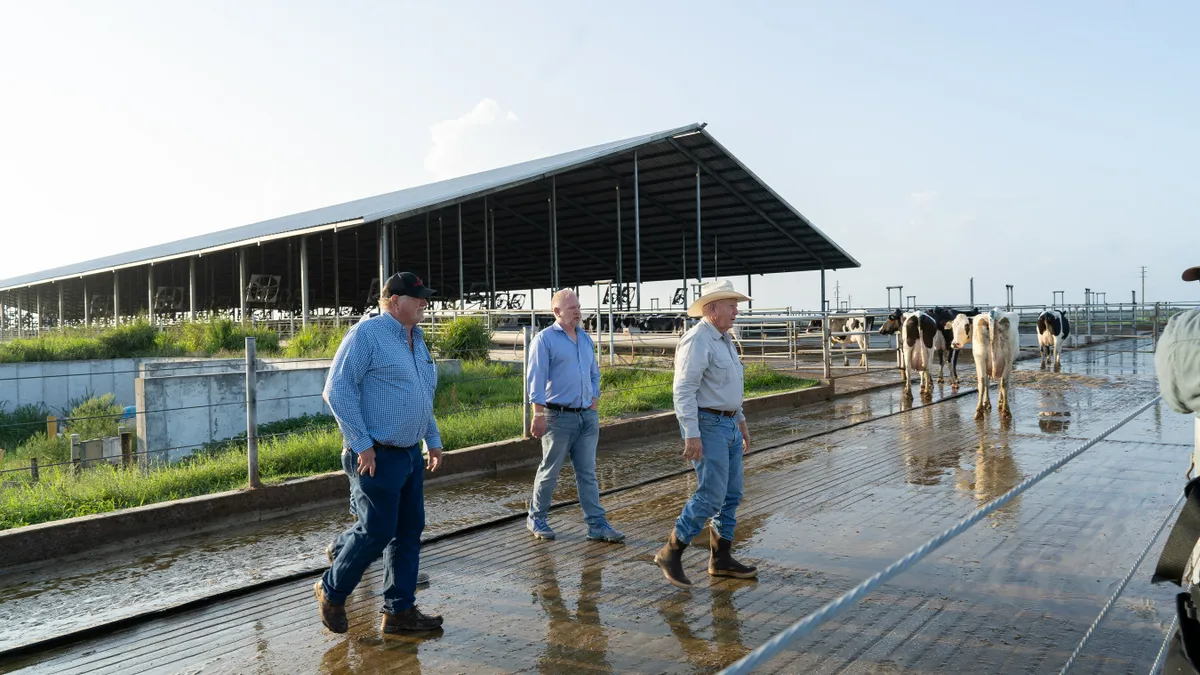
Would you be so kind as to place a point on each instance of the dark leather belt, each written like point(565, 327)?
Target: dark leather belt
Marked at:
point(563, 408)
point(385, 446)
point(722, 413)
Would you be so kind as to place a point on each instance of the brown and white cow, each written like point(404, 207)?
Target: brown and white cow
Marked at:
point(917, 332)
point(1053, 328)
point(997, 341)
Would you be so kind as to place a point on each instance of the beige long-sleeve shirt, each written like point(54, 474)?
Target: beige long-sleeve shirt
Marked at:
point(708, 374)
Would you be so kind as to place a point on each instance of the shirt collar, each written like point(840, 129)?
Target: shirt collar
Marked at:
point(716, 334)
point(416, 329)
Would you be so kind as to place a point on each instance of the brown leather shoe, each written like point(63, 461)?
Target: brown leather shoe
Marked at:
point(411, 619)
point(721, 562)
point(670, 559)
point(333, 616)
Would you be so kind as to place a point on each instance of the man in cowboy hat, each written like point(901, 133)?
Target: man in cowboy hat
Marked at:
point(708, 404)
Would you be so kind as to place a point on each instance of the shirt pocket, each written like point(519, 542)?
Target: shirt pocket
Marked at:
point(724, 369)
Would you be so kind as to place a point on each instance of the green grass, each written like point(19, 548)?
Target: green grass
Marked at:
point(139, 338)
point(480, 406)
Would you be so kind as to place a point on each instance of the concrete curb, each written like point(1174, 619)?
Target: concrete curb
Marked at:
point(87, 533)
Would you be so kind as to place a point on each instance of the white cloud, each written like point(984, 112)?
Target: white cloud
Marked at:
point(485, 138)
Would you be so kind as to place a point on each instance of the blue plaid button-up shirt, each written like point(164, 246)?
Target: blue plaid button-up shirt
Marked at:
point(380, 390)
point(562, 371)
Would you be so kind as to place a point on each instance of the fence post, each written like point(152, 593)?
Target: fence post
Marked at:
point(252, 413)
point(525, 381)
point(1156, 317)
point(33, 470)
point(825, 345)
point(51, 426)
point(76, 463)
point(126, 447)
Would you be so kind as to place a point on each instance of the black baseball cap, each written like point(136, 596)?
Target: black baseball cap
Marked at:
point(406, 283)
point(1191, 274)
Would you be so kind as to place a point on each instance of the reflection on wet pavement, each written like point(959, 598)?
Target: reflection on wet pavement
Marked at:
point(1012, 594)
point(38, 602)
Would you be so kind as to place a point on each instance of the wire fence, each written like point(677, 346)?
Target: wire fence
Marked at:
point(470, 395)
point(783, 339)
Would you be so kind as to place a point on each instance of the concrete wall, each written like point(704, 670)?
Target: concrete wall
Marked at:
point(181, 409)
point(56, 383)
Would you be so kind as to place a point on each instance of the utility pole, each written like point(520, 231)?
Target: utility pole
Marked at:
point(837, 294)
point(1143, 286)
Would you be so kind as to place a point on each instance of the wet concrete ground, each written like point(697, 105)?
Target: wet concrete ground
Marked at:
point(1013, 594)
point(41, 600)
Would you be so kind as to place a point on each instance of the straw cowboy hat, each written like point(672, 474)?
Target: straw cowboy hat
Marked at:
point(712, 291)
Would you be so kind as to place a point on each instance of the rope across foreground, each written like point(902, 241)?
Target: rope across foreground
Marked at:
point(833, 608)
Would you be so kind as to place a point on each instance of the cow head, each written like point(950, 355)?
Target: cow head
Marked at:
point(893, 323)
point(960, 329)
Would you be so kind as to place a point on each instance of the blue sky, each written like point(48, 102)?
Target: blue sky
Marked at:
point(1047, 145)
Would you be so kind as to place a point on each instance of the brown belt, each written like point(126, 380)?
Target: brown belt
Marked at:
point(723, 413)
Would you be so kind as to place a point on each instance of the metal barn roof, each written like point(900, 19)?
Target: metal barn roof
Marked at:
point(565, 220)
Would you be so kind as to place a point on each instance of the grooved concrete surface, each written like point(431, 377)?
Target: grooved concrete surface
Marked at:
point(1013, 594)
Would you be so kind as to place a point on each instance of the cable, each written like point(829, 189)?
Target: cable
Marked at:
point(772, 647)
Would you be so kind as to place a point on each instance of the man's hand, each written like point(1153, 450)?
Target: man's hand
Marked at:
point(537, 427)
point(595, 404)
point(693, 449)
point(366, 462)
point(434, 460)
point(745, 438)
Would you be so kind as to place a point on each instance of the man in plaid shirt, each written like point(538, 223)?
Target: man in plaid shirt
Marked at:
point(381, 387)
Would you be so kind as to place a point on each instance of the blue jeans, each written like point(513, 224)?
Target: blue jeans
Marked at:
point(391, 516)
point(574, 434)
point(719, 473)
point(349, 460)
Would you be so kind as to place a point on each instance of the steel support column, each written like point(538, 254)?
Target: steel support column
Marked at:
point(61, 323)
point(304, 299)
point(749, 292)
point(191, 289)
point(699, 248)
point(825, 356)
point(462, 289)
point(337, 284)
point(620, 270)
point(150, 293)
point(21, 319)
point(554, 226)
point(116, 310)
point(37, 302)
point(384, 243)
point(242, 284)
point(637, 233)
point(487, 262)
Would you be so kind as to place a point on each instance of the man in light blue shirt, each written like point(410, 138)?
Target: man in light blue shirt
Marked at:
point(381, 387)
point(563, 382)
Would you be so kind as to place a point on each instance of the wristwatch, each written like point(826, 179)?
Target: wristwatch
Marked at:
point(539, 414)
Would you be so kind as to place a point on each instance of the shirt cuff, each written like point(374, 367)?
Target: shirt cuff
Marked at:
point(361, 444)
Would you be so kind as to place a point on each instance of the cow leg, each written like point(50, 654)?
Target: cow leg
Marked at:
point(982, 394)
point(954, 368)
point(1005, 411)
point(941, 365)
point(1057, 350)
point(845, 359)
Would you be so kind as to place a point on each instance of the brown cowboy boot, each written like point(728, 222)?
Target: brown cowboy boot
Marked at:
point(333, 616)
point(721, 562)
point(670, 559)
point(411, 619)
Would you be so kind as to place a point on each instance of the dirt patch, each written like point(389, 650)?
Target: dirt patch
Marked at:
point(1062, 381)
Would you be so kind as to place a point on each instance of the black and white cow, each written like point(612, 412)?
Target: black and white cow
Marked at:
point(1053, 328)
point(944, 344)
point(917, 332)
point(852, 324)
